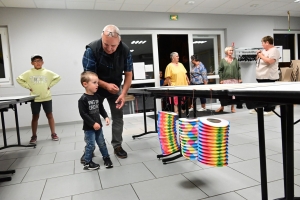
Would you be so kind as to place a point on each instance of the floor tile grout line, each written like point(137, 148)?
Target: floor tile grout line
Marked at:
point(243, 174)
point(134, 191)
point(43, 189)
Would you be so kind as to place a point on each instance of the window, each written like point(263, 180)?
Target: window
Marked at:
point(140, 46)
point(5, 68)
point(287, 41)
point(290, 41)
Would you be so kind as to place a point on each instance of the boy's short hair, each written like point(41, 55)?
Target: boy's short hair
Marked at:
point(85, 76)
point(33, 57)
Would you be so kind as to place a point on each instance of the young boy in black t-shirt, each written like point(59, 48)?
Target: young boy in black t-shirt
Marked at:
point(89, 108)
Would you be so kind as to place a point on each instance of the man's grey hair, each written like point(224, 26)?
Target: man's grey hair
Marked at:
point(172, 54)
point(113, 29)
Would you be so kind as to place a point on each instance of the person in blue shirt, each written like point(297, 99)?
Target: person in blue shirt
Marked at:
point(109, 58)
point(162, 81)
point(198, 77)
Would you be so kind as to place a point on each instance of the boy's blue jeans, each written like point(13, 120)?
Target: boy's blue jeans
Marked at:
point(90, 137)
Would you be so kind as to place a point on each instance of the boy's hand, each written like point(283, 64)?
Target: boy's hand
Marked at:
point(96, 126)
point(107, 121)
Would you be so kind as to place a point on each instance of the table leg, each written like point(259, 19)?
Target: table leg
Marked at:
point(17, 124)
point(18, 130)
point(172, 158)
point(262, 154)
point(145, 119)
point(3, 129)
point(283, 136)
point(287, 116)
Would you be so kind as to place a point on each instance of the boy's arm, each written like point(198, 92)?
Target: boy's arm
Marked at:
point(102, 111)
point(55, 79)
point(22, 81)
point(83, 111)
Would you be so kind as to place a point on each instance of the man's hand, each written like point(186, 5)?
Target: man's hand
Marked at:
point(96, 126)
point(120, 101)
point(107, 121)
point(112, 88)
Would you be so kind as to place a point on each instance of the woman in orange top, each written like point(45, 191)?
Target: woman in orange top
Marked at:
point(176, 75)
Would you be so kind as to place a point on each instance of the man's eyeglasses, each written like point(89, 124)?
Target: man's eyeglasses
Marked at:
point(112, 34)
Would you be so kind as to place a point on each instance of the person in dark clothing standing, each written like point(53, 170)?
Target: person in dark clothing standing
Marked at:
point(89, 108)
point(109, 58)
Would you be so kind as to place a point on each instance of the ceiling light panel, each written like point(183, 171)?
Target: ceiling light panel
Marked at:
point(139, 42)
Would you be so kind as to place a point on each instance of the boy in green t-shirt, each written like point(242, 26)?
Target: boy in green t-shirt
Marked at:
point(39, 81)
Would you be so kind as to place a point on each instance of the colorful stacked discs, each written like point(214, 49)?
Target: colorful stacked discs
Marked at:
point(213, 141)
point(188, 136)
point(166, 128)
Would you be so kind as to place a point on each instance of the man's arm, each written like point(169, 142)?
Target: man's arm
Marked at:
point(127, 82)
point(89, 61)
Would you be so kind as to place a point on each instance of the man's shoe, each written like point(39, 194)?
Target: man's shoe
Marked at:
point(33, 140)
point(54, 137)
point(202, 109)
point(119, 151)
point(108, 163)
point(91, 166)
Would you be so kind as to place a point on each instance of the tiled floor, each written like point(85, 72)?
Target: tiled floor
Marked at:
point(53, 169)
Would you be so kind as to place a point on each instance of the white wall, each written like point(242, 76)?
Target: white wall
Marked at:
point(61, 35)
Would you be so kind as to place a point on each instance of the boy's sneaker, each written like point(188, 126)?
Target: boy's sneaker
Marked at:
point(82, 160)
point(119, 151)
point(54, 137)
point(202, 109)
point(33, 140)
point(91, 166)
point(108, 163)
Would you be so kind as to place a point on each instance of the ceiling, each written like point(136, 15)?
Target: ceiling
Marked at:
point(234, 7)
